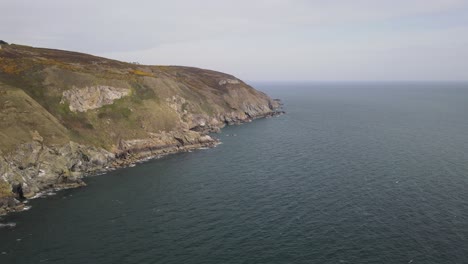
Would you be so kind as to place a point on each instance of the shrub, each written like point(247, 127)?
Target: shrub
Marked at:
point(141, 73)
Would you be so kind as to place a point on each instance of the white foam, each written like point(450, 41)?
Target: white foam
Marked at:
point(38, 195)
point(11, 225)
point(42, 194)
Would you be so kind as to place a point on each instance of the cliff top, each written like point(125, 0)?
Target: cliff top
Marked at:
point(65, 95)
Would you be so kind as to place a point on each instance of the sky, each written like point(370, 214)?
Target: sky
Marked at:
point(258, 40)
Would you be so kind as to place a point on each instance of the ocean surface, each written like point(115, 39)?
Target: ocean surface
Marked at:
point(353, 173)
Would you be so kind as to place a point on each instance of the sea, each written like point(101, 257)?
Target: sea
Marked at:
point(362, 172)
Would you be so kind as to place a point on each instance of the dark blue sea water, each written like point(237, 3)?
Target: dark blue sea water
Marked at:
point(353, 173)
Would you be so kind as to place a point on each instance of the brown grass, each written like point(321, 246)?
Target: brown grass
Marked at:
point(5, 189)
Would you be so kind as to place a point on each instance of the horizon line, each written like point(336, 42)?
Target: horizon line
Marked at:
point(357, 81)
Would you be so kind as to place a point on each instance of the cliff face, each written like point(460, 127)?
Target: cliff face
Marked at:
point(64, 115)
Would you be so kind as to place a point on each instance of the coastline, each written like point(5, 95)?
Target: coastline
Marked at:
point(126, 158)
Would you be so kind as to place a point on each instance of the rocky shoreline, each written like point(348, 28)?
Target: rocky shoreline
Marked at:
point(73, 162)
point(65, 115)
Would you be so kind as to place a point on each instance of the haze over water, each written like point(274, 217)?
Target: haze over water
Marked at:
point(353, 173)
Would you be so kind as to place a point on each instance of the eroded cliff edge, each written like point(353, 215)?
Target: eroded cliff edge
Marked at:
point(64, 115)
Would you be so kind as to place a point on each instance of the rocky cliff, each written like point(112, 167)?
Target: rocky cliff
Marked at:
point(64, 115)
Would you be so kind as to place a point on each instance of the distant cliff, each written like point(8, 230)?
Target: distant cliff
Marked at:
point(65, 114)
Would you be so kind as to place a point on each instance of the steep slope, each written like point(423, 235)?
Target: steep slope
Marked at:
point(65, 114)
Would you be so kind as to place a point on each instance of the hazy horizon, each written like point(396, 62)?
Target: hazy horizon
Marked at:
point(259, 40)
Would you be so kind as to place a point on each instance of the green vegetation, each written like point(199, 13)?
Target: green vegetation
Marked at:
point(33, 80)
point(142, 92)
point(20, 115)
point(114, 111)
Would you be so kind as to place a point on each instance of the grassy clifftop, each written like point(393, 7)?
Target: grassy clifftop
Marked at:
point(41, 90)
point(64, 115)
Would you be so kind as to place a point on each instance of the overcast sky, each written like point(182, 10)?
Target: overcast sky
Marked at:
point(258, 39)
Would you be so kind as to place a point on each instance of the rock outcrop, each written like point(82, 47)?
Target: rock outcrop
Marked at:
point(65, 115)
point(87, 98)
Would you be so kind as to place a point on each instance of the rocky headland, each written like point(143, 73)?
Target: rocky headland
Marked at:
point(65, 115)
